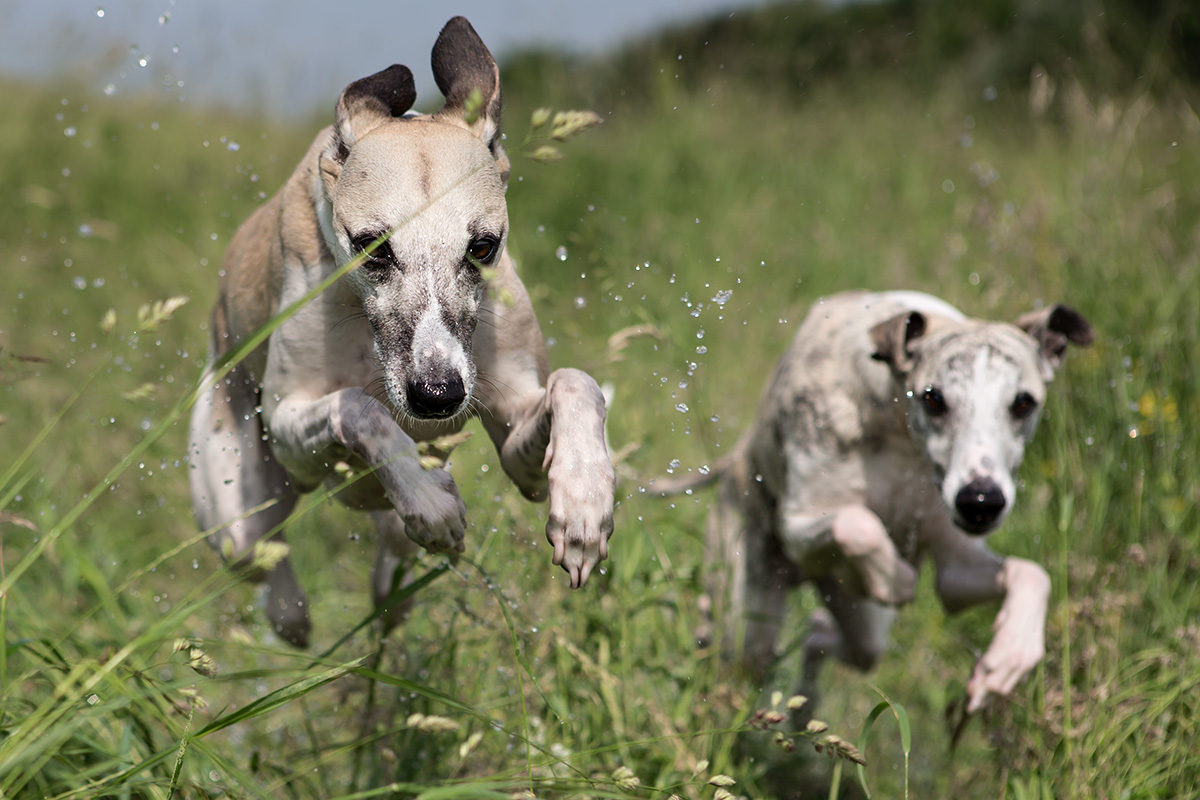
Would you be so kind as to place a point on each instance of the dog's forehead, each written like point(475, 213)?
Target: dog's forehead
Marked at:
point(412, 168)
point(1008, 354)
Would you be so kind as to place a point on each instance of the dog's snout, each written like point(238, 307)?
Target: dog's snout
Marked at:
point(979, 505)
point(436, 400)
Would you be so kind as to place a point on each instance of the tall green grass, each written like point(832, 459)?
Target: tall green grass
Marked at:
point(702, 181)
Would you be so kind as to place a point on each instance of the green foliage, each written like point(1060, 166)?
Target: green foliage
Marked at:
point(672, 253)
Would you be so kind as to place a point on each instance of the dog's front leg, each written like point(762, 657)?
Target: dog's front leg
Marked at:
point(969, 574)
point(309, 437)
point(819, 541)
point(557, 433)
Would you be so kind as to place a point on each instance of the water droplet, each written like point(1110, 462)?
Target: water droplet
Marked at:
point(682, 408)
point(233, 147)
point(100, 12)
point(703, 469)
point(700, 333)
point(948, 186)
point(70, 131)
point(561, 253)
point(580, 302)
point(701, 349)
point(722, 297)
point(79, 282)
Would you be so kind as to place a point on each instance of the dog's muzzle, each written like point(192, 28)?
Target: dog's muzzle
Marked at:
point(436, 400)
point(979, 505)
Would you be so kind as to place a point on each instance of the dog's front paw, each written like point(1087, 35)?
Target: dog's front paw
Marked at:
point(882, 574)
point(1002, 667)
point(891, 581)
point(434, 514)
point(1019, 642)
point(581, 514)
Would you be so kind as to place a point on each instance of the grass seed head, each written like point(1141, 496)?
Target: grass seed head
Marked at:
point(623, 776)
point(546, 154)
point(202, 663)
point(835, 746)
point(267, 554)
point(466, 748)
point(432, 723)
point(151, 315)
point(816, 726)
point(108, 322)
point(796, 702)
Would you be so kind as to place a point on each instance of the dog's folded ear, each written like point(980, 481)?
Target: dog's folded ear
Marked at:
point(368, 102)
point(1054, 328)
point(469, 78)
point(891, 339)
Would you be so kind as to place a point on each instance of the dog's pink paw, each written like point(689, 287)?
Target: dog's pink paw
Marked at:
point(581, 514)
point(1012, 655)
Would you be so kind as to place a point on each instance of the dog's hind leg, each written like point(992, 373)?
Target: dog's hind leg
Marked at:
point(752, 579)
point(231, 473)
point(852, 628)
point(393, 567)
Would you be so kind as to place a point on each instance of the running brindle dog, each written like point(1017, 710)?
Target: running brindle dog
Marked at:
point(889, 432)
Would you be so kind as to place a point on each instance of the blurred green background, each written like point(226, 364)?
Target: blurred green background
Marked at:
point(1001, 154)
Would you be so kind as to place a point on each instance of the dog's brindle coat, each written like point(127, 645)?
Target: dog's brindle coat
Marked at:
point(889, 431)
point(434, 327)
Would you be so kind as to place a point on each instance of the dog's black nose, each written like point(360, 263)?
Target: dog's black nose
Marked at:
point(979, 505)
point(436, 400)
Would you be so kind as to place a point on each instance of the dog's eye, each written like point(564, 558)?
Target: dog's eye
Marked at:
point(379, 258)
point(1023, 406)
point(935, 404)
point(483, 249)
point(362, 242)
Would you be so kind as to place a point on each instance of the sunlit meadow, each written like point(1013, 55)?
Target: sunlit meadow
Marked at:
point(737, 177)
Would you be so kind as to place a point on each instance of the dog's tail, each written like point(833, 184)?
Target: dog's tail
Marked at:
point(668, 485)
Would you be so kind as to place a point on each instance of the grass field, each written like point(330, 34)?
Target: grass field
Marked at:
point(710, 209)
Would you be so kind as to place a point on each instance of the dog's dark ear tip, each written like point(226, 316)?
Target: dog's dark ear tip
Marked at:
point(914, 326)
point(878, 356)
point(1071, 324)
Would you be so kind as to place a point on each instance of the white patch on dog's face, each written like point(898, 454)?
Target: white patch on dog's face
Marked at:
point(436, 189)
point(974, 398)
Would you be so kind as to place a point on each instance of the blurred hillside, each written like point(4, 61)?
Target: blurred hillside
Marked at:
point(1107, 45)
